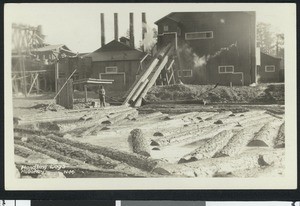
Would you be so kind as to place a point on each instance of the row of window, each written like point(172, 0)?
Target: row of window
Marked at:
point(188, 73)
point(194, 35)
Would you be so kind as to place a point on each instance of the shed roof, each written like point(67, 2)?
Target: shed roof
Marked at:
point(116, 51)
point(272, 56)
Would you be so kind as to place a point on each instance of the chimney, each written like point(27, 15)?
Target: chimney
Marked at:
point(102, 30)
point(116, 26)
point(144, 23)
point(131, 32)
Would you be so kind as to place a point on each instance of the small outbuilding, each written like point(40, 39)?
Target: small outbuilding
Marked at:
point(270, 70)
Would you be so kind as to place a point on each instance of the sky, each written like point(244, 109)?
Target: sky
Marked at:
point(78, 25)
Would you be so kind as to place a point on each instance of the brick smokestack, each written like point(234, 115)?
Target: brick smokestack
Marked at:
point(144, 22)
point(116, 26)
point(131, 28)
point(102, 29)
point(144, 28)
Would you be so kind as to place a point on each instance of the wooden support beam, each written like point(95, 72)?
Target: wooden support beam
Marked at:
point(85, 92)
point(33, 82)
point(56, 75)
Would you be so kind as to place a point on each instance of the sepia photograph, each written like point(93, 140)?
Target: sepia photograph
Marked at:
point(150, 96)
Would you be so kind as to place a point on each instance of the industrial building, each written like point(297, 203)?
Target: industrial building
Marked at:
point(117, 60)
point(213, 47)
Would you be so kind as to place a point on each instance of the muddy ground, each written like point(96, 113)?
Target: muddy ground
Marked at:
point(235, 139)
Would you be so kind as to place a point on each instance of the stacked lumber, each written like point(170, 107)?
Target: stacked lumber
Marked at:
point(93, 81)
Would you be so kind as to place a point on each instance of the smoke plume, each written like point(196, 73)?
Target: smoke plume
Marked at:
point(149, 40)
point(198, 62)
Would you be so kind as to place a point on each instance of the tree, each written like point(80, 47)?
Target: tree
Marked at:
point(269, 42)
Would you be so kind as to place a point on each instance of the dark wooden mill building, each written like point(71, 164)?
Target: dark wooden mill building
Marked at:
point(212, 47)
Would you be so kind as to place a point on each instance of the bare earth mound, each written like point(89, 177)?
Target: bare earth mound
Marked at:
point(260, 94)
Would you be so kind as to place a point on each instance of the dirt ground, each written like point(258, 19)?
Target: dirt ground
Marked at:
point(189, 140)
point(260, 94)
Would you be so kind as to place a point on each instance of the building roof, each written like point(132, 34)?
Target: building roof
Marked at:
point(275, 57)
point(115, 46)
point(177, 16)
point(116, 51)
point(57, 47)
point(116, 55)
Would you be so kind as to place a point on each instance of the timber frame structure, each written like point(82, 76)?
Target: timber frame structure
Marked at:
point(24, 40)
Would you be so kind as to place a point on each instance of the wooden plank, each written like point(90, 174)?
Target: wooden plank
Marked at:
point(142, 78)
point(147, 73)
point(152, 81)
point(140, 89)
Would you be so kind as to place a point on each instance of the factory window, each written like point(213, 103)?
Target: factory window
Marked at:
point(185, 73)
point(166, 28)
point(269, 68)
point(226, 69)
point(111, 69)
point(199, 35)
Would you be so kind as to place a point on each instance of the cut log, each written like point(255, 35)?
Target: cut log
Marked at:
point(150, 116)
point(22, 151)
point(209, 147)
point(245, 161)
point(72, 152)
point(202, 130)
point(275, 115)
point(151, 82)
point(139, 90)
point(146, 74)
point(266, 135)
point(134, 160)
point(139, 143)
point(36, 132)
point(237, 143)
point(54, 155)
point(280, 139)
point(116, 119)
point(185, 115)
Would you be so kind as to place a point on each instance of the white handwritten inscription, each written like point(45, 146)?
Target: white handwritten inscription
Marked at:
point(40, 169)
